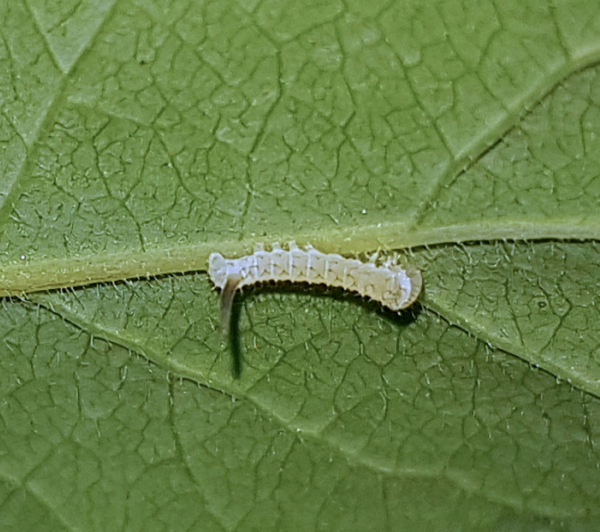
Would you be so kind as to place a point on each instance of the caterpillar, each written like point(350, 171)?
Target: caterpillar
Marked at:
point(390, 284)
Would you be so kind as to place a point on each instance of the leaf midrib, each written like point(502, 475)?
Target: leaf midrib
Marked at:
point(30, 274)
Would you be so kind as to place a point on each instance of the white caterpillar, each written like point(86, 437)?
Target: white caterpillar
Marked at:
point(390, 284)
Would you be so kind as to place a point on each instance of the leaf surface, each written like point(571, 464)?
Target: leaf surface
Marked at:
point(138, 137)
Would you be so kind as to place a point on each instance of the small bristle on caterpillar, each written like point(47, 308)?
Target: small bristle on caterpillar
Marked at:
point(390, 284)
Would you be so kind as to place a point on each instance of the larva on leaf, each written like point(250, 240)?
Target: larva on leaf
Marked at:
point(390, 284)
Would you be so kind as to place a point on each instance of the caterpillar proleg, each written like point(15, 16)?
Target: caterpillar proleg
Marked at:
point(390, 284)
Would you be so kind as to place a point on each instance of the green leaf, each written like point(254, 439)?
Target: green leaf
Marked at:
point(535, 300)
point(138, 137)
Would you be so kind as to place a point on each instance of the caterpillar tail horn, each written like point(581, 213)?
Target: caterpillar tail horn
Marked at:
point(227, 297)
